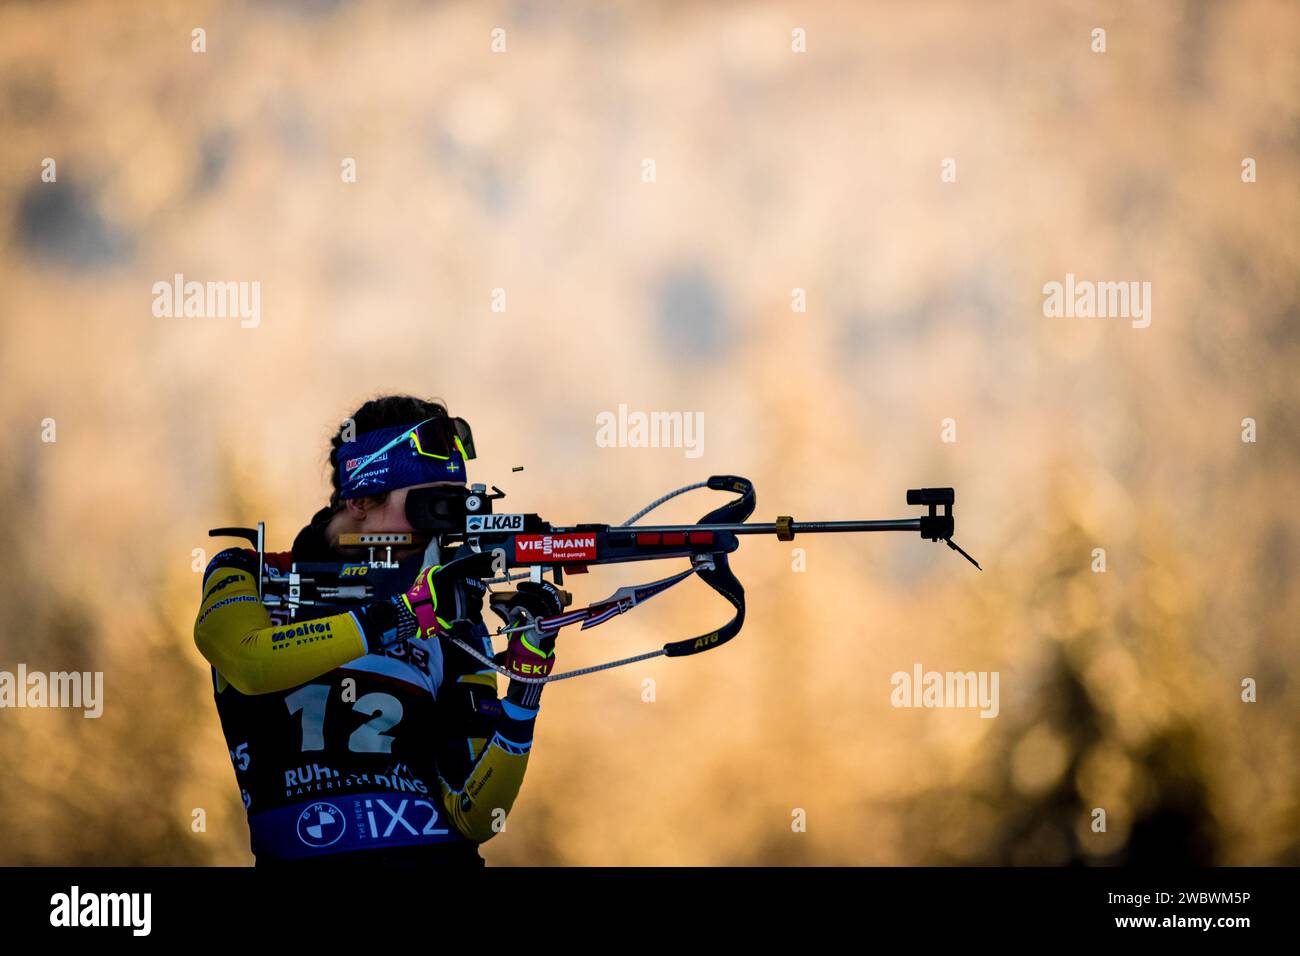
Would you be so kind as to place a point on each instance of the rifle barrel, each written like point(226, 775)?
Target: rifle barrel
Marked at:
point(798, 527)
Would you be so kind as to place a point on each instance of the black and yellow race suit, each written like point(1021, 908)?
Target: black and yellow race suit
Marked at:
point(350, 753)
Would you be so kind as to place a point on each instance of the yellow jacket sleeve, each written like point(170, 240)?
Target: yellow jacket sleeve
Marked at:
point(482, 769)
point(235, 635)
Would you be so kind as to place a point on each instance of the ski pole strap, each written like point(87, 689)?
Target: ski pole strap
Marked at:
point(719, 576)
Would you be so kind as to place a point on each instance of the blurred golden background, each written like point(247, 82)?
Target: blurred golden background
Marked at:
point(523, 171)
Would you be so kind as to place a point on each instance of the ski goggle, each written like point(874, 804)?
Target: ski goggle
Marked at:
point(435, 449)
point(443, 438)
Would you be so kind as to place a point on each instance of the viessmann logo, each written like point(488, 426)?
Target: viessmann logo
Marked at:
point(555, 547)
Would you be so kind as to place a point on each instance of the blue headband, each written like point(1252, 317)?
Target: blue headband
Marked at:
point(387, 459)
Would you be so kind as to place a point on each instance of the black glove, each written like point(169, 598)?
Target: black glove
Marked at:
point(530, 602)
point(530, 651)
point(447, 593)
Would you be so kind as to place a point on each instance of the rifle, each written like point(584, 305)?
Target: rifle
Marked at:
point(460, 517)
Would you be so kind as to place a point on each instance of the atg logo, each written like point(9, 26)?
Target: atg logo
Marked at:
point(320, 825)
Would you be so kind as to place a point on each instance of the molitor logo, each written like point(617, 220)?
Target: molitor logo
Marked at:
point(555, 547)
point(302, 630)
point(321, 824)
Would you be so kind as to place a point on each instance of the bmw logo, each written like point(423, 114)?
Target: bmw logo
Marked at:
point(321, 824)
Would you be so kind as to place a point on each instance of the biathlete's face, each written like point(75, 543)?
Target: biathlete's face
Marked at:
point(370, 516)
